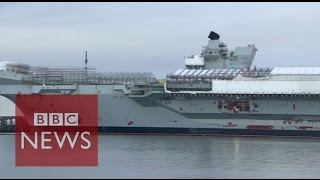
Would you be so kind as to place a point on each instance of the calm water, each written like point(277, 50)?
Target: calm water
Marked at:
point(138, 156)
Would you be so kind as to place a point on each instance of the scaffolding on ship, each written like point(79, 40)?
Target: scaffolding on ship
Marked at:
point(72, 75)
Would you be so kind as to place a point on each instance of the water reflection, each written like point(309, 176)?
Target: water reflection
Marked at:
point(140, 156)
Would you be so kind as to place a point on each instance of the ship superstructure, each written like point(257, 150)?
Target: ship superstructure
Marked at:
point(217, 92)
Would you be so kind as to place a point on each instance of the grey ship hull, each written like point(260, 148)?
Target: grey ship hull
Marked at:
point(201, 116)
point(156, 112)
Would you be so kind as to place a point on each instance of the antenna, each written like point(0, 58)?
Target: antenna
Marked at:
point(86, 61)
point(86, 67)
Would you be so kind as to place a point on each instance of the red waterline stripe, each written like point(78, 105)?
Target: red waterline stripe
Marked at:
point(259, 127)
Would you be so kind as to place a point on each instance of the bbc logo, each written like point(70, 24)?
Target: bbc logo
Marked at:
point(55, 119)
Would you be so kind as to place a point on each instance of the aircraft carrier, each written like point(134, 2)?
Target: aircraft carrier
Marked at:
point(218, 92)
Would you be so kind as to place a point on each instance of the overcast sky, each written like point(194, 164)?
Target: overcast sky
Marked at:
point(155, 37)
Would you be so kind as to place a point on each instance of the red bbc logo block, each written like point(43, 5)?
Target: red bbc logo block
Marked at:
point(56, 130)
